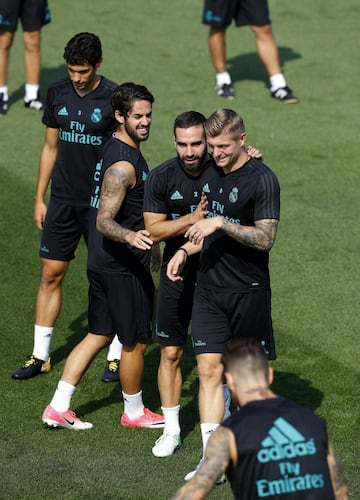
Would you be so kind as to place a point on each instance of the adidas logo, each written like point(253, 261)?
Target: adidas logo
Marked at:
point(281, 93)
point(209, 16)
point(176, 196)
point(284, 441)
point(206, 188)
point(63, 112)
point(160, 333)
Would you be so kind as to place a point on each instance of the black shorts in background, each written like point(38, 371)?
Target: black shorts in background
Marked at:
point(220, 14)
point(34, 14)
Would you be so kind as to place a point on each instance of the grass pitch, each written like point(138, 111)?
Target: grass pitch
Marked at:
point(313, 148)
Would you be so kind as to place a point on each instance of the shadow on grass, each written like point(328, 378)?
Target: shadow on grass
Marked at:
point(48, 75)
point(97, 404)
point(249, 66)
point(189, 406)
point(286, 384)
point(290, 386)
point(78, 329)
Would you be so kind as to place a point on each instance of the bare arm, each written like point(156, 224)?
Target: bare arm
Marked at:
point(178, 260)
point(118, 179)
point(48, 157)
point(337, 475)
point(160, 228)
point(219, 454)
point(261, 236)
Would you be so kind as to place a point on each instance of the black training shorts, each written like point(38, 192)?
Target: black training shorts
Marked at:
point(174, 305)
point(34, 14)
point(120, 304)
point(219, 316)
point(221, 13)
point(63, 227)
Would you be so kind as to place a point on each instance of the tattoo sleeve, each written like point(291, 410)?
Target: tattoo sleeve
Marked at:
point(117, 180)
point(337, 475)
point(216, 460)
point(261, 236)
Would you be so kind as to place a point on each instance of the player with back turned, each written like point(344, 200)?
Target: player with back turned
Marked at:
point(269, 448)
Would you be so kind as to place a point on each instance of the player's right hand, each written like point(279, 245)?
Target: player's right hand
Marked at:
point(39, 214)
point(201, 210)
point(140, 239)
point(175, 266)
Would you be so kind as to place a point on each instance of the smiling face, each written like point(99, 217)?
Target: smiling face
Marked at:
point(191, 149)
point(227, 152)
point(138, 120)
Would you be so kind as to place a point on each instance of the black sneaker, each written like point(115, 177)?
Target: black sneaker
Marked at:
point(3, 105)
point(36, 104)
point(33, 366)
point(285, 94)
point(111, 372)
point(226, 90)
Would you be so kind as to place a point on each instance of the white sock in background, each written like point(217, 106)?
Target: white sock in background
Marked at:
point(277, 81)
point(42, 341)
point(31, 92)
point(222, 78)
point(115, 349)
point(4, 90)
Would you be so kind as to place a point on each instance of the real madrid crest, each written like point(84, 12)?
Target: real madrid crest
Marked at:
point(96, 115)
point(233, 196)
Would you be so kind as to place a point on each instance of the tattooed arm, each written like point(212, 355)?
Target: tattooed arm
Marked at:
point(337, 475)
point(220, 452)
point(118, 179)
point(261, 236)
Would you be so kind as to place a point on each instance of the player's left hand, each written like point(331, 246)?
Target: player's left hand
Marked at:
point(139, 239)
point(203, 228)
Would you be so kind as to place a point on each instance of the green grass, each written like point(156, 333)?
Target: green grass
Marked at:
point(313, 147)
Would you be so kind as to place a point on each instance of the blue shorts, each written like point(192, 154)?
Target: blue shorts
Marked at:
point(221, 13)
point(219, 316)
point(63, 227)
point(34, 14)
point(120, 304)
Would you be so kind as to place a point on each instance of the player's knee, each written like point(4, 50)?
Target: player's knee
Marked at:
point(263, 31)
point(209, 368)
point(32, 40)
point(6, 40)
point(53, 272)
point(171, 355)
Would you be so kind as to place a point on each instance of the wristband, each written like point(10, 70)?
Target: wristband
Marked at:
point(184, 250)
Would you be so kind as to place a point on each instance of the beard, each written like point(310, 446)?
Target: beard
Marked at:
point(135, 134)
point(193, 168)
